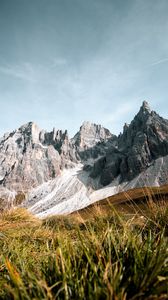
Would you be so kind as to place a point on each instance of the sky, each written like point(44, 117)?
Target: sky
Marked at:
point(63, 62)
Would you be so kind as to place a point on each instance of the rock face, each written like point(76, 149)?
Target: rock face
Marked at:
point(24, 161)
point(140, 144)
point(91, 141)
point(31, 157)
point(91, 134)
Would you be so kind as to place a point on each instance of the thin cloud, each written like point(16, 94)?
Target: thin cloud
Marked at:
point(161, 61)
point(59, 62)
point(23, 71)
point(120, 112)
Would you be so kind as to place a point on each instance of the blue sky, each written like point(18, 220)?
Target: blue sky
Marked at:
point(66, 61)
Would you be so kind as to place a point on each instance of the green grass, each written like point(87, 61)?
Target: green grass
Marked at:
point(108, 255)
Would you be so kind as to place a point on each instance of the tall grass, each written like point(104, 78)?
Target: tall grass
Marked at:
point(106, 256)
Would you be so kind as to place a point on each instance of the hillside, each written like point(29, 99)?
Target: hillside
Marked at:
point(131, 201)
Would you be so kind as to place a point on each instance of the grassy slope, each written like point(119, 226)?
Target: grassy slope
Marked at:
point(102, 252)
point(131, 201)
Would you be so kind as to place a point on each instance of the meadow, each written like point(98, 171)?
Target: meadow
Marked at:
point(102, 252)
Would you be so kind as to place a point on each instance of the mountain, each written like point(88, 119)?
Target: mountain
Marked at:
point(57, 174)
point(91, 134)
point(139, 146)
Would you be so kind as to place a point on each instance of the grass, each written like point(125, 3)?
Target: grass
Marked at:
point(103, 252)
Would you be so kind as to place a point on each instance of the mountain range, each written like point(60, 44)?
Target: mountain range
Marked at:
point(51, 173)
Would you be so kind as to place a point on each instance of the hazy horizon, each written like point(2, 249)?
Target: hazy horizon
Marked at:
point(64, 62)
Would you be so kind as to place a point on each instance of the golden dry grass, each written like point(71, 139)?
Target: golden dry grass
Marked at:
point(133, 201)
point(106, 251)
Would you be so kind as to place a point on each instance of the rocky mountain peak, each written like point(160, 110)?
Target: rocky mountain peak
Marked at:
point(144, 140)
point(30, 131)
point(86, 124)
point(143, 124)
point(145, 106)
point(126, 126)
point(144, 112)
point(30, 156)
point(28, 126)
point(90, 134)
point(58, 135)
point(142, 118)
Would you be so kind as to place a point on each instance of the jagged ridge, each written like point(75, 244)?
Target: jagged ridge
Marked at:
point(30, 157)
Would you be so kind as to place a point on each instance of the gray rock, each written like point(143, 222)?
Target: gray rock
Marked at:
point(92, 141)
point(30, 156)
point(24, 161)
point(141, 142)
point(90, 134)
